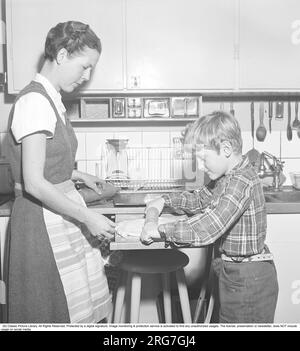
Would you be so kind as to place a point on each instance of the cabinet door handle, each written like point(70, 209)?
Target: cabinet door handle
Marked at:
point(135, 82)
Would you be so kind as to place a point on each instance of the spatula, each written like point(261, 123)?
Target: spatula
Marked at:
point(253, 155)
point(270, 115)
point(289, 132)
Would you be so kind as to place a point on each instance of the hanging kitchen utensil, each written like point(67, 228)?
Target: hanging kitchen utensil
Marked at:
point(253, 154)
point(261, 130)
point(270, 115)
point(279, 110)
point(289, 132)
point(296, 122)
point(232, 109)
point(252, 121)
point(221, 106)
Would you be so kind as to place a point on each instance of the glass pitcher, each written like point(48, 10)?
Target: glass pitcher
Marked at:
point(117, 159)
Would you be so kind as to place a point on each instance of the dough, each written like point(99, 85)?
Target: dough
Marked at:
point(134, 227)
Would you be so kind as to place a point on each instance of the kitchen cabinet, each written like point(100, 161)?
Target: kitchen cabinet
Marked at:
point(269, 44)
point(163, 45)
point(28, 22)
point(180, 45)
point(283, 240)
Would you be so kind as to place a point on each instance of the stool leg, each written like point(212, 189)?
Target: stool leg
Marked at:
point(183, 296)
point(167, 297)
point(120, 297)
point(201, 298)
point(135, 298)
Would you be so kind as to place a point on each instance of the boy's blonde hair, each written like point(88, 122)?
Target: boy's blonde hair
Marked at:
point(214, 128)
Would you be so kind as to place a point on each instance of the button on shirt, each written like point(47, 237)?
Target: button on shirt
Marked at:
point(231, 208)
point(33, 112)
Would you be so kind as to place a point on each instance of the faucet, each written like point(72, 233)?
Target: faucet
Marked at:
point(273, 169)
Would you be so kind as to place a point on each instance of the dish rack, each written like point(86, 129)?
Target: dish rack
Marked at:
point(149, 184)
point(152, 169)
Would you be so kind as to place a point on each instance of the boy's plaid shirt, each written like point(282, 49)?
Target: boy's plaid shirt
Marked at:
point(231, 208)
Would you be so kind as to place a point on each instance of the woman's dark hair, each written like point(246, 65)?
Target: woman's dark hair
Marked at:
point(73, 36)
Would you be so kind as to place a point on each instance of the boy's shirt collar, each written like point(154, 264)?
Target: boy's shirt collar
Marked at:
point(241, 165)
point(245, 163)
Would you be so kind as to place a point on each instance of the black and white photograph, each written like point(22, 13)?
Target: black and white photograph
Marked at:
point(150, 166)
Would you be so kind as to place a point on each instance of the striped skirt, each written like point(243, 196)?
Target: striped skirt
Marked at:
point(79, 263)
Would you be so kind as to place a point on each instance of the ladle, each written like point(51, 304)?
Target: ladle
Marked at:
point(296, 122)
point(261, 130)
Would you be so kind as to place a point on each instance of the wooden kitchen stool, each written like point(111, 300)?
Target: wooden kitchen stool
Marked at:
point(162, 262)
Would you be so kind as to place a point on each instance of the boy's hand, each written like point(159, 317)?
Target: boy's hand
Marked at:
point(156, 203)
point(167, 229)
point(149, 233)
point(177, 234)
point(177, 230)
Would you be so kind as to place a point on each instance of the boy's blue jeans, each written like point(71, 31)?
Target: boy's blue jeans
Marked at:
point(247, 291)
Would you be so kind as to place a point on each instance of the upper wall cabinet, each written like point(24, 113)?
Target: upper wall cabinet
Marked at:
point(181, 45)
point(28, 22)
point(269, 44)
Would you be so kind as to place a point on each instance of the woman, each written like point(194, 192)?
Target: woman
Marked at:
point(56, 272)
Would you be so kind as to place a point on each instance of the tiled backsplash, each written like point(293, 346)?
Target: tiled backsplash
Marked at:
point(274, 144)
point(90, 144)
point(94, 141)
point(91, 140)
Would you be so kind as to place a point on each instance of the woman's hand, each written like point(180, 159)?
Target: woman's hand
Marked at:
point(93, 182)
point(99, 225)
point(149, 232)
point(89, 180)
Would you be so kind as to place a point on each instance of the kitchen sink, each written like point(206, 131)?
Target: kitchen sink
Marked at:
point(290, 196)
point(286, 195)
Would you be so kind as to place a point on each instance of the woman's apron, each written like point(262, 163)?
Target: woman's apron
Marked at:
point(79, 263)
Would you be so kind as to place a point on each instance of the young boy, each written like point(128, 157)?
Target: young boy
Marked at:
point(230, 208)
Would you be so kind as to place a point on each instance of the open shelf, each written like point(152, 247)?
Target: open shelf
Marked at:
point(125, 121)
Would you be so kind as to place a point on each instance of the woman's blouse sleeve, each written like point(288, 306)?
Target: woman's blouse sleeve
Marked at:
point(32, 114)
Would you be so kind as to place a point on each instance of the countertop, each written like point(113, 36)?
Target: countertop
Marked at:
point(108, 208)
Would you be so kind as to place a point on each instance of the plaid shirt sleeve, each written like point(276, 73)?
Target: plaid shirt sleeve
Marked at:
point(205, 228)
point(187, 201)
